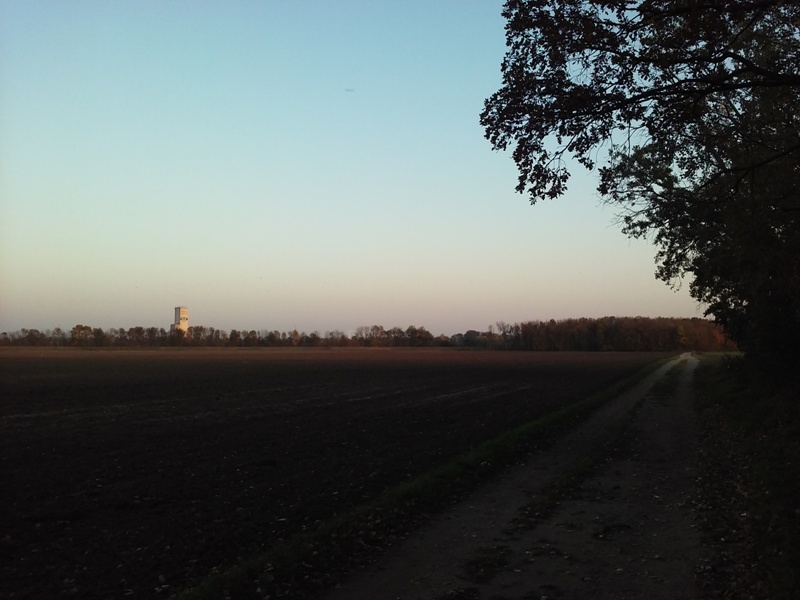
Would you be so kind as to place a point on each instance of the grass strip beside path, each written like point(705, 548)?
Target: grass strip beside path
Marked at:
point(749, 487)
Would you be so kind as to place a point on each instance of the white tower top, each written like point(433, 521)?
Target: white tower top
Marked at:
point(181, 319)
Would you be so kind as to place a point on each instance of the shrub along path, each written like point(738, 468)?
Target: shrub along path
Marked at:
point(605, 513)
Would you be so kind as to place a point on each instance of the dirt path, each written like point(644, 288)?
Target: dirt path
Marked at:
point(626, 531)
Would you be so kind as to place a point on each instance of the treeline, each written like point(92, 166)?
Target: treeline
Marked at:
point(200, 335)
point(604, 334)
point(612, 334)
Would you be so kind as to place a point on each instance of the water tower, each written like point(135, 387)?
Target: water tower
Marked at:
point(181, 319)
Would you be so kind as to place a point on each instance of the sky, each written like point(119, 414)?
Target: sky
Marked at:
point(284, 165)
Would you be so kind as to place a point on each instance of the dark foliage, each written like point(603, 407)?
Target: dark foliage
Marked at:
point(697, 105)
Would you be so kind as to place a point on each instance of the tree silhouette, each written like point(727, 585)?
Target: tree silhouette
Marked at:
point(697, 105)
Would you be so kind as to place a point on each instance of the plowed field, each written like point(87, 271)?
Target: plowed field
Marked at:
point(135, 473)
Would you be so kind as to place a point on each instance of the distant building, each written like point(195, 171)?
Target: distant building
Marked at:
point(181, 319)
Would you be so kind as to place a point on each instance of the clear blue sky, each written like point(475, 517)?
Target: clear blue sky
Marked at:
point(278, 165)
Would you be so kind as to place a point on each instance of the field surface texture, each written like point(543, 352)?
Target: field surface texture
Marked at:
point(136, 474)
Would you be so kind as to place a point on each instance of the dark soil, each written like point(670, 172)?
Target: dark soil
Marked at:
point(137, 473)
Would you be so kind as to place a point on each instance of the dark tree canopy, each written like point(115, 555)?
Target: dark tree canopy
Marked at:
point(690, 110)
